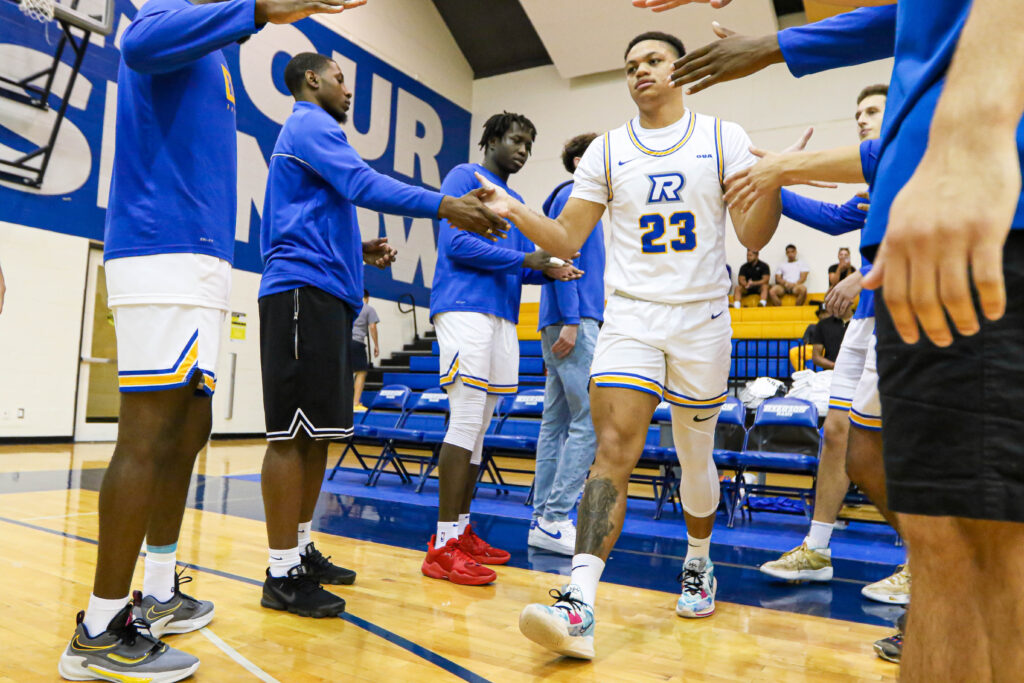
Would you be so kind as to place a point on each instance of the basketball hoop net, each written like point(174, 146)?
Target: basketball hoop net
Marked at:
point(39, 10)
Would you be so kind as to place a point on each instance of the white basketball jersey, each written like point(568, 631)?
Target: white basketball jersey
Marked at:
point(666, 218)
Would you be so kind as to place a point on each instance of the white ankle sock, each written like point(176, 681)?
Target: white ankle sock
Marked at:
point(283, 560)
point(99, 613)
point(445, 531)
point(586, 573)
point(819, 536)
point(697, 547)
point(304, 535)
point(463, 523)
point(158, 572)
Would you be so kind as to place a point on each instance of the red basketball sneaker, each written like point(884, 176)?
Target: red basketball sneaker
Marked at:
point(480, 550)
point(450, 562)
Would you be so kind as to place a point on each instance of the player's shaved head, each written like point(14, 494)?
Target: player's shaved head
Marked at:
point(295, 72)
point(676, 44)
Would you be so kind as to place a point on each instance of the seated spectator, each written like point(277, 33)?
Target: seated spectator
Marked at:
point(838, 271)
point(789, 279)
point(754, 278)
point(826, 336)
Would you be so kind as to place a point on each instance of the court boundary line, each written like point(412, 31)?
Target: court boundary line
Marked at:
point(237, 656)
point(419, 650)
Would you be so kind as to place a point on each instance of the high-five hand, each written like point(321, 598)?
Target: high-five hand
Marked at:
point(494, 197)
point(469, 212)
point(733, 56)
point(290, 11)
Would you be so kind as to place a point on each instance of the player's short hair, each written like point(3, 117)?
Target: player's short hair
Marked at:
point(575, 148)
point(499, 124)
point(366, 294)
point(876, 89)
point(676, 44)
point(295, 72)
point(846, 249)
point(790, 246)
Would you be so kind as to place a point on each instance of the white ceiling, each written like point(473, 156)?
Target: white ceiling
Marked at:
point(589, 36)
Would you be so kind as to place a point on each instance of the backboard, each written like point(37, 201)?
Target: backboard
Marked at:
point(96, 16)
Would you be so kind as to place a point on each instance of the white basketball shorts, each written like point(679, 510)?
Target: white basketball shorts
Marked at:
point(480, 349)
point(169, 313)
point(850, 363)
point(866, 412)
point(677, 352)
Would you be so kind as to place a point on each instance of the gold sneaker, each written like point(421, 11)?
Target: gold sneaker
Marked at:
point(894, 590)
point(800, 564)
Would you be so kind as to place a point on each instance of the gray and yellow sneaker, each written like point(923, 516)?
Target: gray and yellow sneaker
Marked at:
point(181, 614)
point(124, 653)
point(801, 564)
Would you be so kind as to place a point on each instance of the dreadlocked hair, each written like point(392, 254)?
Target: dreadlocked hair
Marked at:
point(499, 124)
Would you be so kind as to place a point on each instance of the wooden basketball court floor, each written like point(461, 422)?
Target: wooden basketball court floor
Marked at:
point(400, 625)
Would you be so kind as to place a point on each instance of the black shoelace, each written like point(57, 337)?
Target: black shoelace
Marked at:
point(129, 633)
point(180, 578)
point(692, 580)
point(304, 583)
point(316, 558)
point(566, 597)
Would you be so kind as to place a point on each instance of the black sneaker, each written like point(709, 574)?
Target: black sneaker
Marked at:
point(299, 593)
point(890, 649)
point(321, 568)
point(123, 652)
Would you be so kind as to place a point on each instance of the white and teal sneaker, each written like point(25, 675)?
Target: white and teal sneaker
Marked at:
point(567, 627)
point(698, 597)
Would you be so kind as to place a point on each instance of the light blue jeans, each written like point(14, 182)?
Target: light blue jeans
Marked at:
point(567, 442)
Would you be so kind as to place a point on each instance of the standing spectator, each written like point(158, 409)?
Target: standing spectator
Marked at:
point(754, 278)
point(838, 271)
point(789, 279)
point(570, 315)
point(825, 337)
point(366, 322)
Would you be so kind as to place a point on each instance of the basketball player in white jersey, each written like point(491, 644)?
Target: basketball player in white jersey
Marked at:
point(667, 330)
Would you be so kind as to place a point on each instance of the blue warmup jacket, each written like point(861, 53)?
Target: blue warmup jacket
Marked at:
point(856, 37)
point(316, 180)
point(927, 34)
point(565, 303)
point(472, 273)
point(173, 186)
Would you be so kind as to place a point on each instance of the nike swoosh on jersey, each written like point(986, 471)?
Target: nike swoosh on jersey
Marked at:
point(623, 163)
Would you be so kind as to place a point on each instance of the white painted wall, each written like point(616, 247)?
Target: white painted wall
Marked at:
point(41, 321)
point(772, 106)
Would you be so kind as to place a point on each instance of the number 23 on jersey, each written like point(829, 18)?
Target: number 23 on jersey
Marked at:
point(654, 225)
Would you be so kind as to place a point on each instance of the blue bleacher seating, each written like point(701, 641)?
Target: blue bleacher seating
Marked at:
point(386, 410)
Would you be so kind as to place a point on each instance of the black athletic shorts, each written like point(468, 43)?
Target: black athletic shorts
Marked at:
point(953, 418)
point(305, 339)
point(357, 357)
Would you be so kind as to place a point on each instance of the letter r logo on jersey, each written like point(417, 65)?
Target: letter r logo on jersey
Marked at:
point(665, 187)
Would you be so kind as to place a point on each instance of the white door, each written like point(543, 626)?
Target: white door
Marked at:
point(98, 400)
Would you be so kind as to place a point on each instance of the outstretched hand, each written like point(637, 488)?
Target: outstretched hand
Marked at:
point(564, 273)
point(733, 56)
point(290, 11)
point(665, 5)
point(840, 298)
point(470, 213)
point(765, 177)
point(494, 197)
point(377, 252)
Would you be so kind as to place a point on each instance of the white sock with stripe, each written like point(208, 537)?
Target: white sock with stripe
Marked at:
point(158, 572)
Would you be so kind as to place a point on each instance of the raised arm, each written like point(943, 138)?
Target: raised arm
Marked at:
point(831, 219)
point(948, 224)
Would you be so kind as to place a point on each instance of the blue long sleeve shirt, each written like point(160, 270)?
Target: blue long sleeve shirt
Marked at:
point(316, 180)
point(173, 185)
point(856, 37)
point(565, 303)
point(831, 219)
point(474, 274)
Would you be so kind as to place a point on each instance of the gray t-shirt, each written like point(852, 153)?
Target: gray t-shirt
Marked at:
point(361, 327)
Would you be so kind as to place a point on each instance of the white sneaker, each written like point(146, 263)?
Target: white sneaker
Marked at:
point(557, 537)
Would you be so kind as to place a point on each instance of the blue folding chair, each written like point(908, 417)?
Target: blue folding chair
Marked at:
point(515, 434)
point(730, 439)
point(386, 410)
point(422, 429)
point(784, 439)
